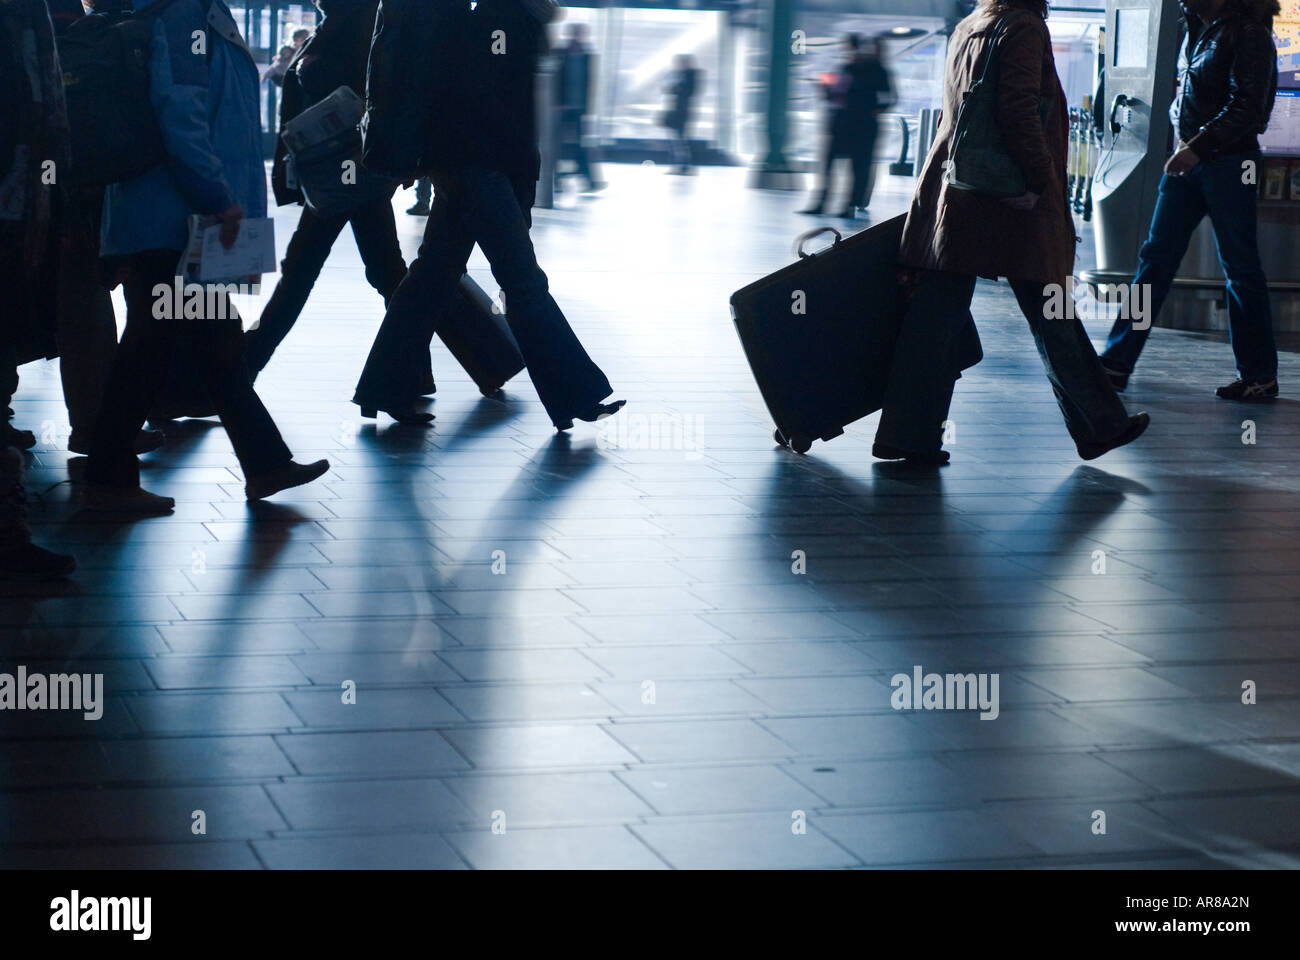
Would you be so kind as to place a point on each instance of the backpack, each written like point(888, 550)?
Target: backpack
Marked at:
point(113, 132)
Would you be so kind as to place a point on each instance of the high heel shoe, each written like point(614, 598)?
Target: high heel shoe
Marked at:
point(400, 414)
point(598, 412)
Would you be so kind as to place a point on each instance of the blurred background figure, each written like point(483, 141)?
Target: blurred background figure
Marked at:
point(300, 37)
point(280, 65)
point(423, 194)
point(855, 96)
point(574, 81)
point(683, 85)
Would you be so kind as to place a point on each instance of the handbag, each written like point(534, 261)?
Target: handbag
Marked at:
point(324, 144)
point(979, 161)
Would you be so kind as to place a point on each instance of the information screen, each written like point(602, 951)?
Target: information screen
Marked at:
point(1132, 26)
point(1282, 138)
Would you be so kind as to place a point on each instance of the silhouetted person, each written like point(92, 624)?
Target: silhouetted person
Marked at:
point(955, 236)
point(573, 83)
point(481, 152)
point(1228, 79)
point(335, 56)
point(87, 326)
point(854, 98)
point(33, 128)
point(683, 84)
point(207, 107)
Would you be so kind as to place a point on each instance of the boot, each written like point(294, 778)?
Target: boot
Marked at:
point(19, 557)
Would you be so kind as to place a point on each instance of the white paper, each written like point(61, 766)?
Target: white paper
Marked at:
point(252, 254)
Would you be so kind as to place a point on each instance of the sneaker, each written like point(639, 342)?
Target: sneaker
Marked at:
point(102, 498)
point(418, 210)
point(1136, 426)
point(1118, 381)
point(30, 562)
point(1249, 391)
point(283, 478)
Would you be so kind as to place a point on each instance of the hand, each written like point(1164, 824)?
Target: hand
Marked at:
point(1026, 201)
point(229, 219)
point(1183, 160)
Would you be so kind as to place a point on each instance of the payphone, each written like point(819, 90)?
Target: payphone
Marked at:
point(1142, 39)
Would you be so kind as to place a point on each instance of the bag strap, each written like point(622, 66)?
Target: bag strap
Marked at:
point(999, 29)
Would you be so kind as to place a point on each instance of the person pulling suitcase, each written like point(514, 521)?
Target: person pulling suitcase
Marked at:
point(479, 145)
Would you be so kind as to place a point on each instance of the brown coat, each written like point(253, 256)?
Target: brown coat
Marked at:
point(957, 231)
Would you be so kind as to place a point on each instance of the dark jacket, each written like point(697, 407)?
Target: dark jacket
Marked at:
point(573, 80)
point(335, 56)
point(855, 123)
point(961, 232)
point(681, 96)
point(484, 108)
point(1228, 79)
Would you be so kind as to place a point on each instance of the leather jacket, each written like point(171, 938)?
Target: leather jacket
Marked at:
point(1227, 82)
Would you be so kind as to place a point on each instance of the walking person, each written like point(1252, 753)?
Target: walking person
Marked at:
point(480, 149)
point(855, 99)
point(954, 236)
point(683, 84)
point(33, 124)
point(207, 108)
point(1227, 83)
point(335, 56)
point(574, 81)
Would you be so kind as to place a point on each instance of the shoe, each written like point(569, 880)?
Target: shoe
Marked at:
point(848, 213)
point(427, 387)
point(30, 562)
point(419, 210)
point(1118, 381)
point(400, 414)
point(146, 441)
point(22, 439)
point(596, 186)
point(600, 412)
point(883, 451)
point(1249, 391)
point(815, 211)
point(103, 498)
point(283, 478)
point(1136, 426)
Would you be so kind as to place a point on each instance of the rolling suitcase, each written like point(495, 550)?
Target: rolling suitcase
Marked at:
point(819, 333)
point(480, 339)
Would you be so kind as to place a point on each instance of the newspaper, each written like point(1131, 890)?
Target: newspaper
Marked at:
point(205, 260)
point(341, 110)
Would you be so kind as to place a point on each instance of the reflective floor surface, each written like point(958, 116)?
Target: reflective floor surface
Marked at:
point(669, 643)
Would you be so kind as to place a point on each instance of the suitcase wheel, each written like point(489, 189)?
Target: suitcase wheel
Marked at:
point(796, 443)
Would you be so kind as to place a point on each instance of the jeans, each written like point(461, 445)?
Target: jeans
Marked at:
point(484, 207)
point(423, 190)
point(1214, 186)
point(140, 366)
point(375, 232)
point(925, 366)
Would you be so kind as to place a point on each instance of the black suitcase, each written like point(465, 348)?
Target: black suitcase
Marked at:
point(823, 368)
point(480, 339)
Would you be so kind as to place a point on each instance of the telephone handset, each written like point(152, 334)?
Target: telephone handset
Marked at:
point(1120, 112)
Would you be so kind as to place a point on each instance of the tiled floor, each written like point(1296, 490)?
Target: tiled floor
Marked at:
point(646, 682)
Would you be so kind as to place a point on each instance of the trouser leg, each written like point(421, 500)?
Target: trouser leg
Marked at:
point(1093, 411)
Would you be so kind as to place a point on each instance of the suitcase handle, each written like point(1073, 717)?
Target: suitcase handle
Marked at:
point(805, 237)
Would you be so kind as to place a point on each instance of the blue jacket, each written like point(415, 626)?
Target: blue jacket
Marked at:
point(209, 111)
